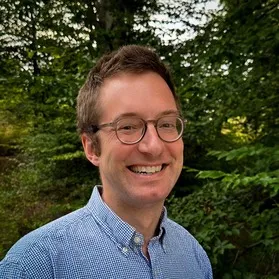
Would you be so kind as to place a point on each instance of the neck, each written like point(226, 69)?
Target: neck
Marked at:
point(144, 219)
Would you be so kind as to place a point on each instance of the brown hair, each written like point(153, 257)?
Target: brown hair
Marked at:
point(127, 59)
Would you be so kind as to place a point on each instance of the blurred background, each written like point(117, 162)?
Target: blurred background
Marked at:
point(224, 59)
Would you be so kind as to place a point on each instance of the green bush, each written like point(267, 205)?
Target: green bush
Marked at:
point(235, 215)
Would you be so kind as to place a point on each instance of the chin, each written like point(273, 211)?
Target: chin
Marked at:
point(153, 196)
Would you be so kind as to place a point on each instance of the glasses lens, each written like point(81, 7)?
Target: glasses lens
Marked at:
point(170, 128)
point(129, 130)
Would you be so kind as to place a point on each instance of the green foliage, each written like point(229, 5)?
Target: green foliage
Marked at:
point(232, 70)
point(47, 49)
point(236, 215)
point(229, 92)
point(227, 79)
point(255, 165)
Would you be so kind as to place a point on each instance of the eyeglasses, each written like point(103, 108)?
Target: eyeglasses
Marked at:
point(131, 130)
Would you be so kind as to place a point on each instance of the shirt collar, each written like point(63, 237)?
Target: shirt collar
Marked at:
point(113, 225)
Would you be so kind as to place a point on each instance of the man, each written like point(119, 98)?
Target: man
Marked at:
point(131, 127)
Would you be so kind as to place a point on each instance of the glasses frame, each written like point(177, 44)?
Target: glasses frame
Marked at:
point(96, 128)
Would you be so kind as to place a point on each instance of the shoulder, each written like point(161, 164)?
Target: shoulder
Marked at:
point(177, 231)
point(34, 251)
point(188, 246)
point(182, 237)
point(178, 235)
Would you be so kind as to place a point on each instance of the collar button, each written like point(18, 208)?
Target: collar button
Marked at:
point(124, 250)
point(137, 240)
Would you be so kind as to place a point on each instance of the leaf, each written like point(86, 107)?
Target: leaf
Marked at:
point(211, 174)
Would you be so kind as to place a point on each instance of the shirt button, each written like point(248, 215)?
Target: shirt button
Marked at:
point(124, 249)
point(155, 273)
point(137, 240)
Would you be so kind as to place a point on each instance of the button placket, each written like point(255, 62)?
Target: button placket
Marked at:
point(124, 250)
point(154, 260)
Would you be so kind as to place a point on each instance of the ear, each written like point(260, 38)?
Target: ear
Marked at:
point(89, 150)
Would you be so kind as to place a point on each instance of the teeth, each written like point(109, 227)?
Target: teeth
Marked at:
point(146, 169)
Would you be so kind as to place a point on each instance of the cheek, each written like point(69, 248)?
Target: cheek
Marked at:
point(178, 155)
point(114, 154)
point(107, 139)
point(182, 152)
point(177, 150)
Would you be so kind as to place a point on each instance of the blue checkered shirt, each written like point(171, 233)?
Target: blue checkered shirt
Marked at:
point(93, 242)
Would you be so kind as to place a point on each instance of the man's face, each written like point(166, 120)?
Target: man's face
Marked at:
point(122, 166)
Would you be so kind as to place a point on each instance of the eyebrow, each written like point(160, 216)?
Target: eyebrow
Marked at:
point(169, 112)
point(133, 114)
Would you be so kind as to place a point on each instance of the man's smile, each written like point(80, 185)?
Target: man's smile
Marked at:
point(146, 169)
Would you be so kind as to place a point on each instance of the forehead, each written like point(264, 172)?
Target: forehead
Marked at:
point(145, 95)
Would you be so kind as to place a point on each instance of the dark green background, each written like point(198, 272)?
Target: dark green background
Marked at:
point(227, 79)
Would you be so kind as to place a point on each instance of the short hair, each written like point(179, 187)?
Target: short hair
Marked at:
point(127, 59)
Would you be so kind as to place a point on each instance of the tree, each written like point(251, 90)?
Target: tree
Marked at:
point(230, 96)
point(47, 48)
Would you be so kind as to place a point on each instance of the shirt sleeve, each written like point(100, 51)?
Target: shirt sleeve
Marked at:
point(205, 264)
point(9, 270)
point(208, 269)
point(22, 263)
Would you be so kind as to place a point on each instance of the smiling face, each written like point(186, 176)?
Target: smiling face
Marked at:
point(141, 174)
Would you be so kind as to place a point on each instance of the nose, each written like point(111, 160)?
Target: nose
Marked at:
point(151, 143)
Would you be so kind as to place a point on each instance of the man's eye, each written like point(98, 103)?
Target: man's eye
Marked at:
point(167, 125)
point(127, 127)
